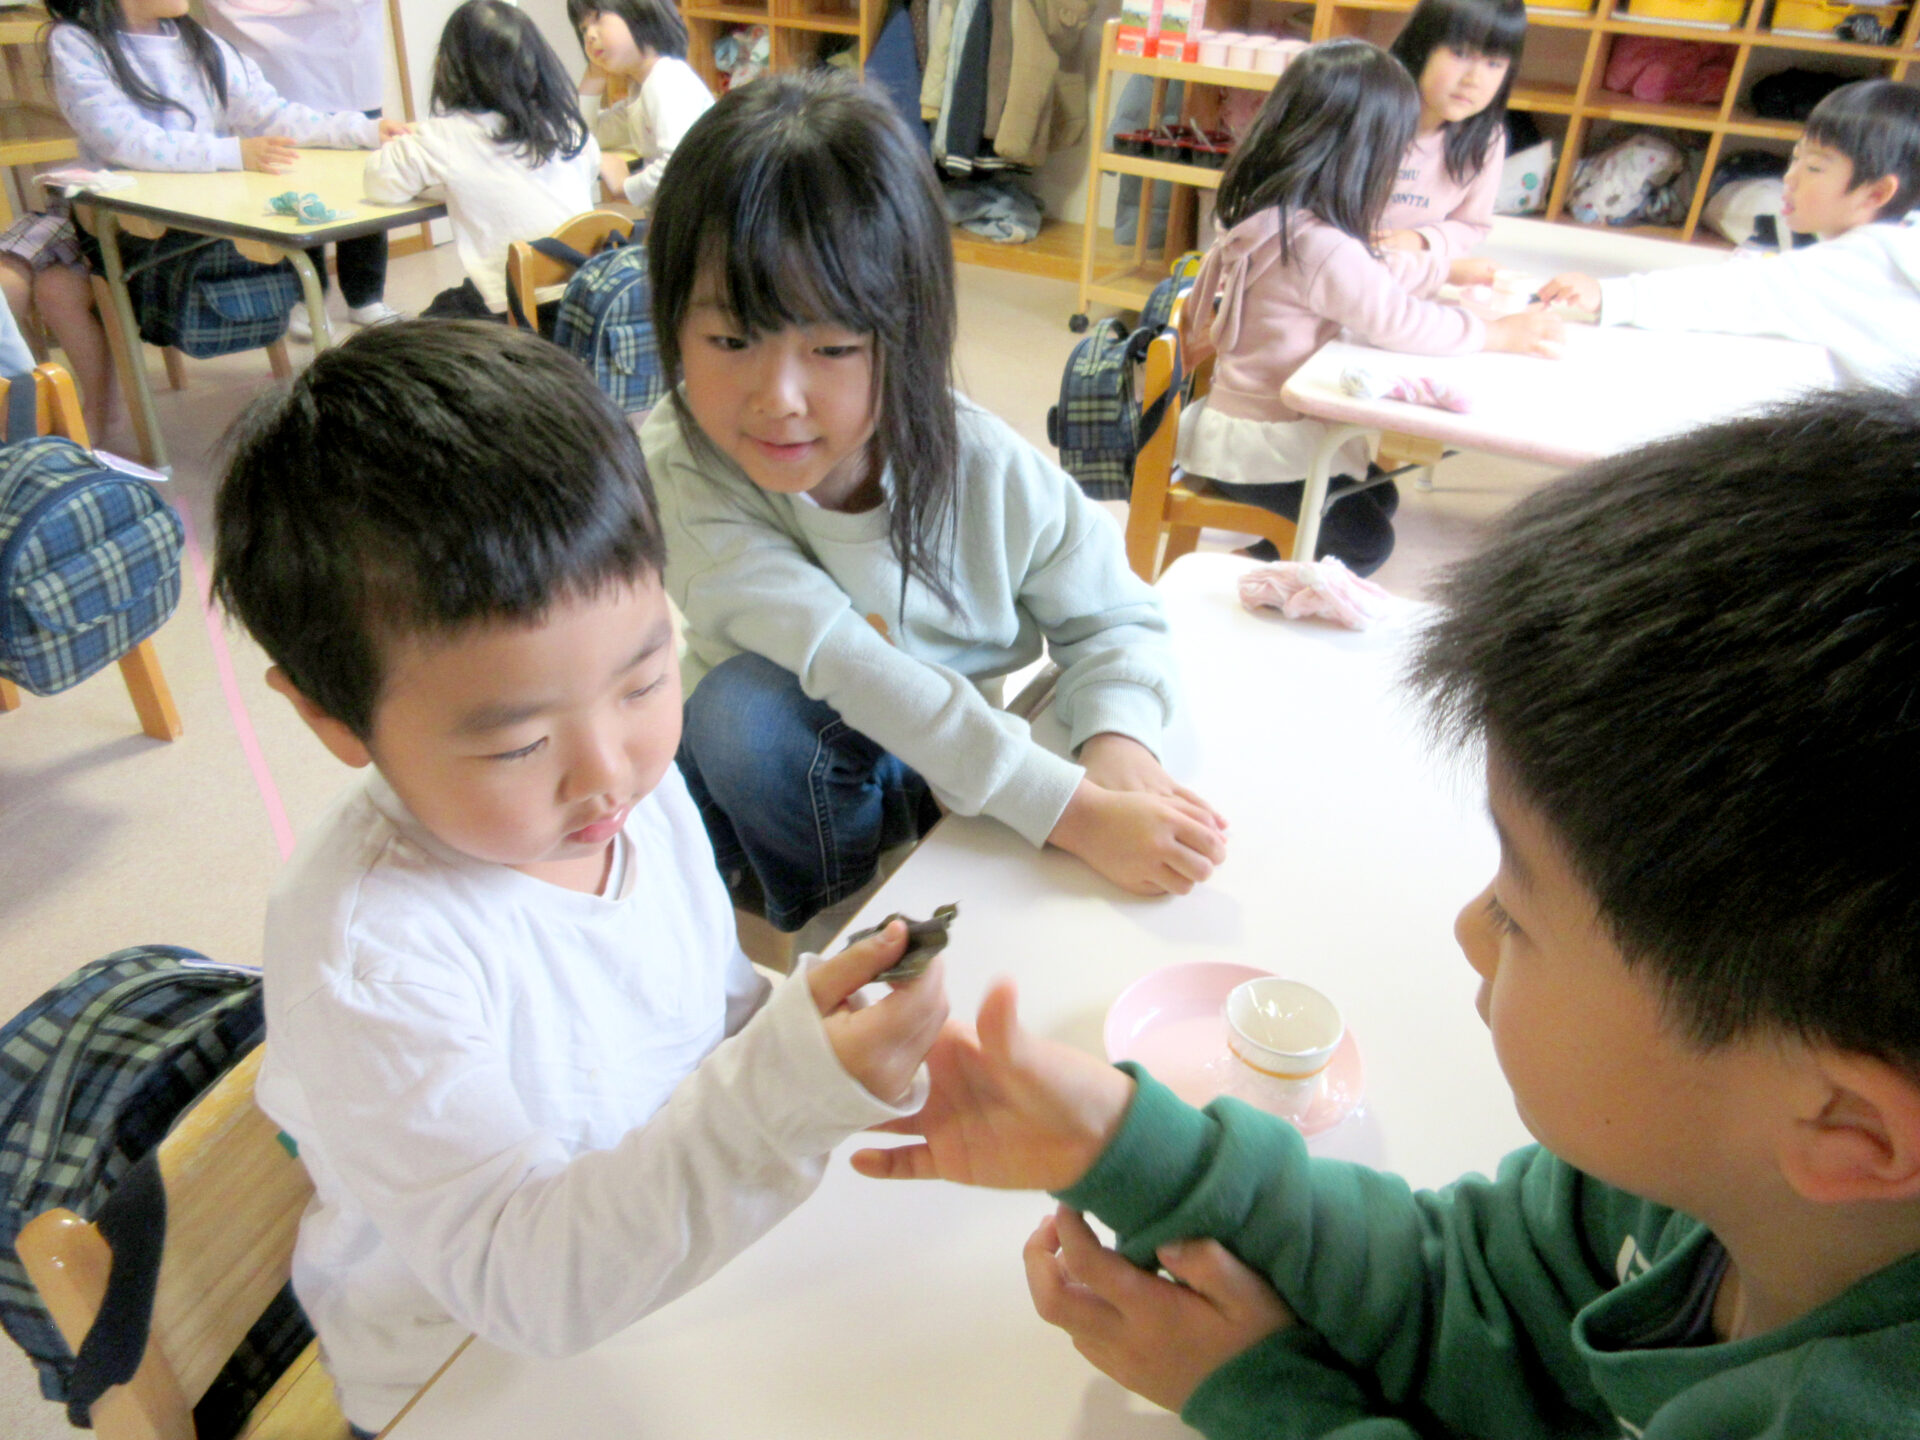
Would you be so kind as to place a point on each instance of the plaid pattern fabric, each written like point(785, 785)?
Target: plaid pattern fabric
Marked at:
point(89, 564)
point(92, 1075)
point(606, 318)
point(205, 299)
point(1096, 425)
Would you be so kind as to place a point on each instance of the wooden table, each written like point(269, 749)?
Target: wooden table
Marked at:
point(1616, 387)
point(231, 205)
point(897, 1309)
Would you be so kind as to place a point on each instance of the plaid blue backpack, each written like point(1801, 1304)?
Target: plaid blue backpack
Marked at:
point(204, 298)
point(1098, 424)
point(92, 1076)
point(89, 562)
point(606, 318)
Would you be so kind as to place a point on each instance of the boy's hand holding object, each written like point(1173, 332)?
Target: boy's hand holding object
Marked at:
point(882, 1044)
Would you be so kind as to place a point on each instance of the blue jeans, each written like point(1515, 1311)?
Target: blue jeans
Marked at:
point(798, 804)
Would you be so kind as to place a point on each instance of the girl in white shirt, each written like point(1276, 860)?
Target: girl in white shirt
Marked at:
point(506, 144)
point(645, 43)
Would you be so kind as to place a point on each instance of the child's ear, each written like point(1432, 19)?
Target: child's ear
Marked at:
point(1862, 1141)
point(1879, 193)
point(347, 747)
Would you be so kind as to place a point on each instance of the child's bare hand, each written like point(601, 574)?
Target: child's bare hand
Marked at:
point(1118, 762)
point(1146, 843)
point(1008, 1109)
point(269, 154)
point(1531, 332)
point(393, 130)
point(1157, 1337)
point(1400, 240)
point(880, 1045)
point(1472, 272)
point(613, 175)
point(1572, 291)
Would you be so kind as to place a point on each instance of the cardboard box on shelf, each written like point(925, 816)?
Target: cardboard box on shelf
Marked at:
point(1181, 22)
point(1139, 27)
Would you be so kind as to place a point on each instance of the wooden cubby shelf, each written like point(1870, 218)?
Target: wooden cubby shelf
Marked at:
point(1560, 81)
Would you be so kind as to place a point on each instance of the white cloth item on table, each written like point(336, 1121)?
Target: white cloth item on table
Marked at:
point(1369, 382)
point(1301, 589)
point(1257, 452)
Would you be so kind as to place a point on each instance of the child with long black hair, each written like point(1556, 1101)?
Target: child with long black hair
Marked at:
point(860, 554)
point(1462, 55)
point(506, 144)
point(644, 43)
point(1301, 202)
point(144, 86)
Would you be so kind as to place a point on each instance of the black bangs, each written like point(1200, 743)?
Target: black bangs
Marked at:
point(1482, 29)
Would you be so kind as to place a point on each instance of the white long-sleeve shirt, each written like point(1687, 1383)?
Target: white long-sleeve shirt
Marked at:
point(1857, 294)
point(330, 54)
point(653, 119)
point(519, 1104)
point(114, 129)
point(494, 197)
point(1034, 562)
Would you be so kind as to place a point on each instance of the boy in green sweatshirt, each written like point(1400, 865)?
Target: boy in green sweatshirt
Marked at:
point(1695, 671)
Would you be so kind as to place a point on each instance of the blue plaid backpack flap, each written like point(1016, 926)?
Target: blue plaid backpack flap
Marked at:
point(92, 1076)
point(204, 298)
point(89, 563)
point(1097, 426)
point(606, 318)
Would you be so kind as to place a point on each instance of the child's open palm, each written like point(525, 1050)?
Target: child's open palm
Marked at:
point(1158, 1337)
point(1007, 1109)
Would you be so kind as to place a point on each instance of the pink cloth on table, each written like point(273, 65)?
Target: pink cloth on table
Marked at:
point(1324, 588)
point(1370, 384)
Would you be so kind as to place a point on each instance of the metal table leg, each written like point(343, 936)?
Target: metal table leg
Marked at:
point(129, 352)
point(1314, 501)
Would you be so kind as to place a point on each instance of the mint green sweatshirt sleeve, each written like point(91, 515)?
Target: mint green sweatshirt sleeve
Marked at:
point(1034, 564)
point(1450, 1310)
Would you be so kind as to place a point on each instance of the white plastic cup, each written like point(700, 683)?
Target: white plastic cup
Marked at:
point(1282, 1029)
point(1241, 51)
point(1213, 47)
point(1269, 58)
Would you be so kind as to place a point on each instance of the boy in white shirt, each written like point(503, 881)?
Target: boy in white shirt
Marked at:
point(538, 1086)
point(645, 43)
point(1854, 179)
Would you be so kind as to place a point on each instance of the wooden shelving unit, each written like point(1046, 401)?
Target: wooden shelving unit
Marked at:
point(31, 130)
point(1560, 83)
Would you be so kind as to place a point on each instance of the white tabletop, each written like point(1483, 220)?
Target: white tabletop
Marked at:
point(235, 202)
point(892, 1309)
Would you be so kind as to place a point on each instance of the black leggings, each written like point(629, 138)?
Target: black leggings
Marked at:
point(1358, 530)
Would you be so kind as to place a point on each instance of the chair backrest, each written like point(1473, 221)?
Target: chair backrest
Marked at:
point(529, 272)
point(234, 1197)
point(56, 403)
point(1164, 515)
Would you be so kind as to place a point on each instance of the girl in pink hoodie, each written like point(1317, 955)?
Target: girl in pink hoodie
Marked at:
point(1462, 55)
point(1301, 200)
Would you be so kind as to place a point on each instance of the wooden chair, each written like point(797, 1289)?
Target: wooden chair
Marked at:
point(234, 1197)
point(529, 272)
point(58, 406)
point(1165, 506)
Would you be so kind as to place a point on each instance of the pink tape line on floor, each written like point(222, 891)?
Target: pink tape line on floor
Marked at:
point(230, 687)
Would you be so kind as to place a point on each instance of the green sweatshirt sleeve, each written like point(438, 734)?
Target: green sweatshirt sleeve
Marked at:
point(1447, 1310)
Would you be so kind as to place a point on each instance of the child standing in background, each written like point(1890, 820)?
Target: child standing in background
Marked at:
point(1300, 203)
point(645, 43)
point(330, 55)
point(1462, 54)
point(1854, 182)
point(861, 554)
point(505, 143)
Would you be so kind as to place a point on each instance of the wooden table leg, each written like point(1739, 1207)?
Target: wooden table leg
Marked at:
point(9, 696)
point(140, 668)
point(123, 339)
point(176, 367)
point(280, 360)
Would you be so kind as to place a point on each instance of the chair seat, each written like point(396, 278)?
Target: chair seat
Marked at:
point(300, 1406)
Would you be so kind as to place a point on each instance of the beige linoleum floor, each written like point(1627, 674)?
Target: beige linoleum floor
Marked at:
point(108, 839)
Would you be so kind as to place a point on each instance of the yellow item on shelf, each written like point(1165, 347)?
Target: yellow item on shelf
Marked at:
point(1823, 17)
point(1578, 7)
point(1723, 14)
